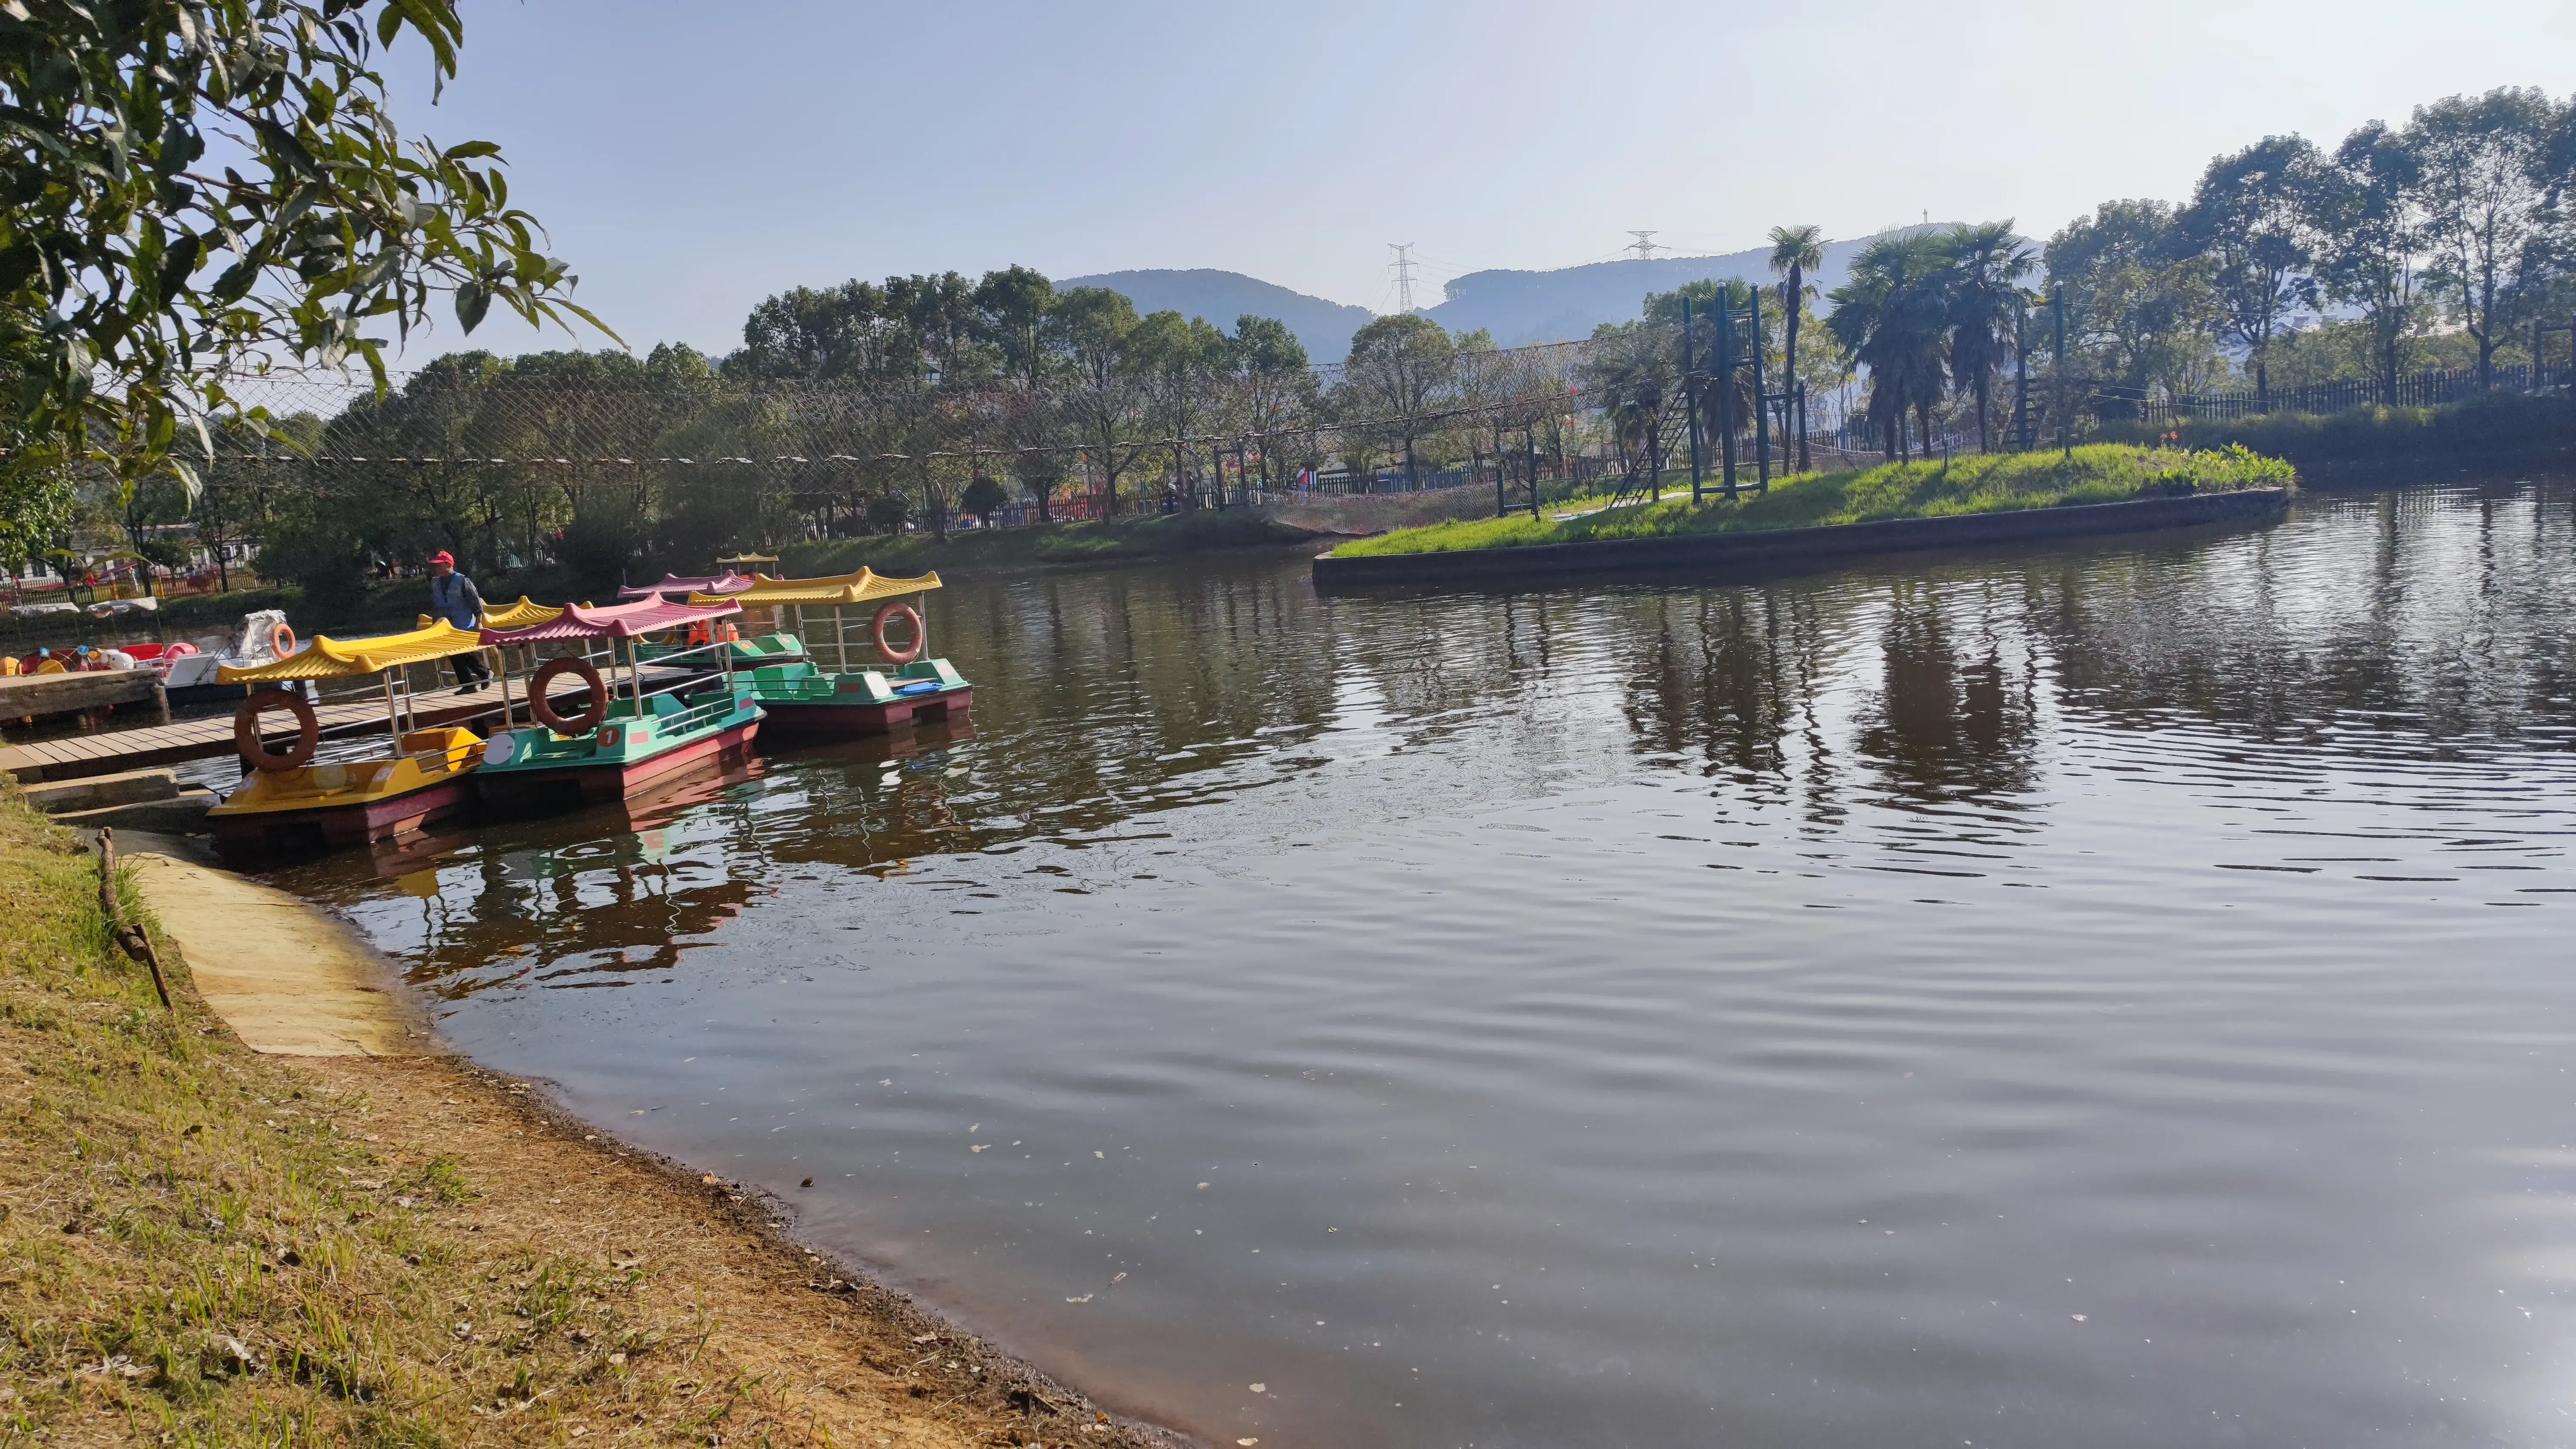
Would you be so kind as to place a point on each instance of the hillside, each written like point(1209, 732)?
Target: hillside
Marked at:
point(1220, 297)
point(1519, 308)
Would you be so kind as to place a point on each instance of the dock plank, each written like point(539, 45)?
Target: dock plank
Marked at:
point(73, 756)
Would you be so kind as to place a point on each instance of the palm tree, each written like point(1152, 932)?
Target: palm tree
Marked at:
point(1987, 264)
point(1891, 317)
point(1796, 251)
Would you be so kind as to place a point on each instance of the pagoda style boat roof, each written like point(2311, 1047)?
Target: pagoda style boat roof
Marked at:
point(510, 616)
point(329, 658)
point(862, 587)
point(519, 615)
point(721, 584)
point(613, 621)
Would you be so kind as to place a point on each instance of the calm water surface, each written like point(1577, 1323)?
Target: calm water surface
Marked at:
point(2118, 995)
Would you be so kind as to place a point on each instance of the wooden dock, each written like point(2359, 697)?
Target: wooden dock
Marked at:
point(108, 751)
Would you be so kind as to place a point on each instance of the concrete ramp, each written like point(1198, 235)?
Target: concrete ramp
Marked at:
point(289, 980)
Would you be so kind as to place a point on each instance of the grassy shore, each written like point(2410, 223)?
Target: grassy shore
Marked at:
point(200, 1245)
point(1116, 540)
point(2495, 429)
point(1984, 483)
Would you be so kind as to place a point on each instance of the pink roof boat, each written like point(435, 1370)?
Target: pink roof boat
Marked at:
point(613, 621)
point(727, 582)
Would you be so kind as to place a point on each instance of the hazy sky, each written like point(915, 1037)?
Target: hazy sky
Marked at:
point(692, 158)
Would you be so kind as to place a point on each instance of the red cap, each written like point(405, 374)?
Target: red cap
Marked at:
point(443, 556)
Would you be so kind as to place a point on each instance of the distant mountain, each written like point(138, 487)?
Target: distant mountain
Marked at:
point(1220, 297)
point(1520, 308)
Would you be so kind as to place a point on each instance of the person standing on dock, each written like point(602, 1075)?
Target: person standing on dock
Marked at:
point(453, 597)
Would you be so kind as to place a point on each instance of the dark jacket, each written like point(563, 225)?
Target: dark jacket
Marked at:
point(455, 599)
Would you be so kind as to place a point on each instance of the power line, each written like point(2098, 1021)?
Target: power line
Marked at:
point(1644, 246)
point(1403, 265)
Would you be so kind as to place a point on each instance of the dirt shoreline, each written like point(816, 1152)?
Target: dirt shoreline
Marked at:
point(843, 1352)
point(396, 1249)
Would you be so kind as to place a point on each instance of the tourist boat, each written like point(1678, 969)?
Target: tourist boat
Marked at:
point(828, 695)
point(191, 673)
point(623, 741)
point(290, 802)
point(741, 653)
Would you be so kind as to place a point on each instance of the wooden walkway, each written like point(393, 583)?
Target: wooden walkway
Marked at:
point(108, 751)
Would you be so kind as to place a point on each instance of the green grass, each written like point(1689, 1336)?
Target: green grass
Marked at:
point(2498, 427)
point(1117, 540)
point(198, 1245)
point(1984, 483)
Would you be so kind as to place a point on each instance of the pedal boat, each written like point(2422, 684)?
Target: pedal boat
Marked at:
point(624, 741)
point(290, 802)
point(836, 692)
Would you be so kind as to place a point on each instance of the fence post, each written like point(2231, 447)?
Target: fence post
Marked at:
point(2021, 375)
point(1725, 374)
point(2065, 422)
point(1690, 399)
point(1761, 400)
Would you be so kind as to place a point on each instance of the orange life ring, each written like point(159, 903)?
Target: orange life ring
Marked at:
point(542, 709)
point(281, 640)
point(887, 615)
point(255, 752)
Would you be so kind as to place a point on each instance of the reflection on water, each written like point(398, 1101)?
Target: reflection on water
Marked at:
point(2110, 995)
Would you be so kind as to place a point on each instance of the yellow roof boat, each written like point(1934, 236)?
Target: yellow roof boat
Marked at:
point(510, 616)
point(329, 658)
point(865, 586)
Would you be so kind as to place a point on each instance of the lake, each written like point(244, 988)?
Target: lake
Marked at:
point(2117, 993)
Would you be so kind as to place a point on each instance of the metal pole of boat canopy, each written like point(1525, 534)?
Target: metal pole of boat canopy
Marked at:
point(393, 715)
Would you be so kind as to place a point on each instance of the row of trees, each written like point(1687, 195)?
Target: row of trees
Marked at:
point(2435, 243)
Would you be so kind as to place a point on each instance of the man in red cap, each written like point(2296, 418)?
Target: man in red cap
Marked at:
point(453, 597)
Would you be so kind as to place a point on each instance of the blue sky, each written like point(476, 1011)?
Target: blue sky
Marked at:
point(692, 158)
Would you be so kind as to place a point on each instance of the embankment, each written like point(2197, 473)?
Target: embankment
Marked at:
point(2498, 430)
point(1900, 507)
point(205, 1243)
point(964, 553)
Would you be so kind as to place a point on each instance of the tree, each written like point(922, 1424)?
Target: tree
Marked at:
point(2140, 313)
point(2248, 218)
point(1182, 364)
point(887, 512)
point(1090, 328)
point(1986, 265)
point(2482, 168)
point(1891, 318)
point(136, 273)
point(2369, 223)
point(1796, 251)
point(983, 498)
point(1398, 373)
point(1635, 369)
point(1274, 384)
point(1011, 309)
